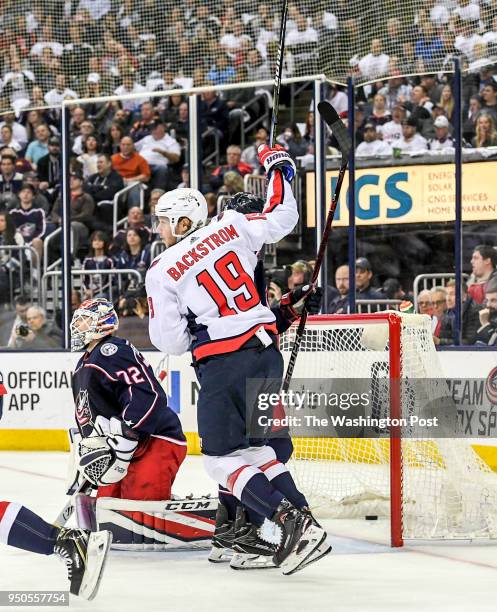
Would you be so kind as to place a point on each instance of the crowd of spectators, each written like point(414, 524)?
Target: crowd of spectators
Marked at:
point(479, 296)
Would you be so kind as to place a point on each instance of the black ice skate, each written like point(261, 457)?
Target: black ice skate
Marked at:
point(84, 554)
point(224, 537)
point(301, 536)
point(251, 550)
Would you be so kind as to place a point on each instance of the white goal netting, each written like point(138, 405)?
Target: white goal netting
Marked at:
point(448, 491)
point(56, 49)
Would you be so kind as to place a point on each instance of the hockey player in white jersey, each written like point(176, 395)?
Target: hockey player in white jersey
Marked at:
point(202, 298)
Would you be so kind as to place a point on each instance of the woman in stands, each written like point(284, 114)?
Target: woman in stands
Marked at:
point(9, 260)
point(486, 134)
point(88, 159)
point(136, 252)
point(114, 135)
point(98, 259)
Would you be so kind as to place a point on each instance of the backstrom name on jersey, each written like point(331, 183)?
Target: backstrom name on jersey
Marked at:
point(198, 252)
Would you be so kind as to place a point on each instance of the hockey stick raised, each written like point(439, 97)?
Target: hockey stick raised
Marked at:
point(277, 76)
point(341, 134)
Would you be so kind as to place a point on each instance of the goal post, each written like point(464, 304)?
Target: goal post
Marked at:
point(429, 485)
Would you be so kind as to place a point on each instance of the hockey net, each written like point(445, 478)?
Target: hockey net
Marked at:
point(428, 487)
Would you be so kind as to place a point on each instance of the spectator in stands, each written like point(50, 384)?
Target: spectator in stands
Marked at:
point(9, 260)
point(425, 305)
point(487, 333)
point(396, 91)
point(40, 334)
point(363, 277)
point(49, 169)
point(291, 139)
point(88, 159)
point(391, 132)
point(113, 139)
point(233, 163)
point(470, 118)
point(429, 46)
point(411, 141)
point(155, 194)
point(470, 316)
point(489, 97)
point(132, 167)
point(97, 259)
point(103, 186)
point(136, 220)
point(483, 265)
point(7, 139)
point(130, 86)
point(133, 318)
point(379, 114)
point(40, 199)
point(442, 140)
point(222, 71)
point(257, 67)
point(337, 98)
point(375, 64)
point(185, 176)
point(232, 183)
point(144, 126)
point(87, 128)
point(339, 305)
point(249, 154)
point(21, 305)
point(18, 130)
point(179, 128)
point(392, 290)
point(300, 274)
point(136, 252)
point(420, 104)
point(38, 148)
point(447, 102)
point(439, 304)
point(60, 92)
point(371, 145)
point(30, 221)
point(161, 151)
point(82, 212)
point(215, 113)
point(486, 134)
point(10, 182)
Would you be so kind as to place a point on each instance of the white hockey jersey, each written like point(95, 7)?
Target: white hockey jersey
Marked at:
point(201, 291)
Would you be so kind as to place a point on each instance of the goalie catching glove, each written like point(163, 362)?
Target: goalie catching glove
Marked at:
point(293, 301)
point(104, 459)
point(277, 158)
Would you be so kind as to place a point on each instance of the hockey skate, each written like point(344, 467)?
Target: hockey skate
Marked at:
point(322, 550)
point(84, 554)
point(301, 537)
point(251, 551)
point(224, 537)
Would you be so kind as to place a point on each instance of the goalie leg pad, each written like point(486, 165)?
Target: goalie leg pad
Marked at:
point(158, 525)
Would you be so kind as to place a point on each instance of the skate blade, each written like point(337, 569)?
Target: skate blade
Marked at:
point(243, 561)
point(98, 548)
point(305, 547)
point(319, 553)
point(220, 555)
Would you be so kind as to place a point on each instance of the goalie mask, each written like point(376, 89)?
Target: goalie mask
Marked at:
point(92, 320)
point(245, 203)
point(178, 204)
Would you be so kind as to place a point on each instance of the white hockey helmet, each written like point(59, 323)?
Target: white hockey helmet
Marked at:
point(179, 203)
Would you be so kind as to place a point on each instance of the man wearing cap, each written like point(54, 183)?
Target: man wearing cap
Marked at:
point(411, 141)
point(143, 127)
point(371, 146)
point(49, 169)
point(160, 150)
point(442, 140)
point(363, 276)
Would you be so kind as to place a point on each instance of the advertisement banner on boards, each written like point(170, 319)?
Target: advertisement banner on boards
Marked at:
point(411, 194)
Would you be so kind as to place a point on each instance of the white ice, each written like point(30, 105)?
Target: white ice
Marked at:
point(363, 573)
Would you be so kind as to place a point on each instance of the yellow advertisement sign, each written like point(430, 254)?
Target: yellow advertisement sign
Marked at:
point(411, 194)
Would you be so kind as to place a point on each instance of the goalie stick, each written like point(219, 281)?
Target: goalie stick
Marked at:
point(332, 120)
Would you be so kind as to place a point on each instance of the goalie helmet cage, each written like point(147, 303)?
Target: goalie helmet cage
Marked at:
point(429, 488)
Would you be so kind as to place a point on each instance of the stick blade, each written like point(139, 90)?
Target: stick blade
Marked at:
point(333, 121)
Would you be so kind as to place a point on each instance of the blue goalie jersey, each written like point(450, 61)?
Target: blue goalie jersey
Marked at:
point(114, 380)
